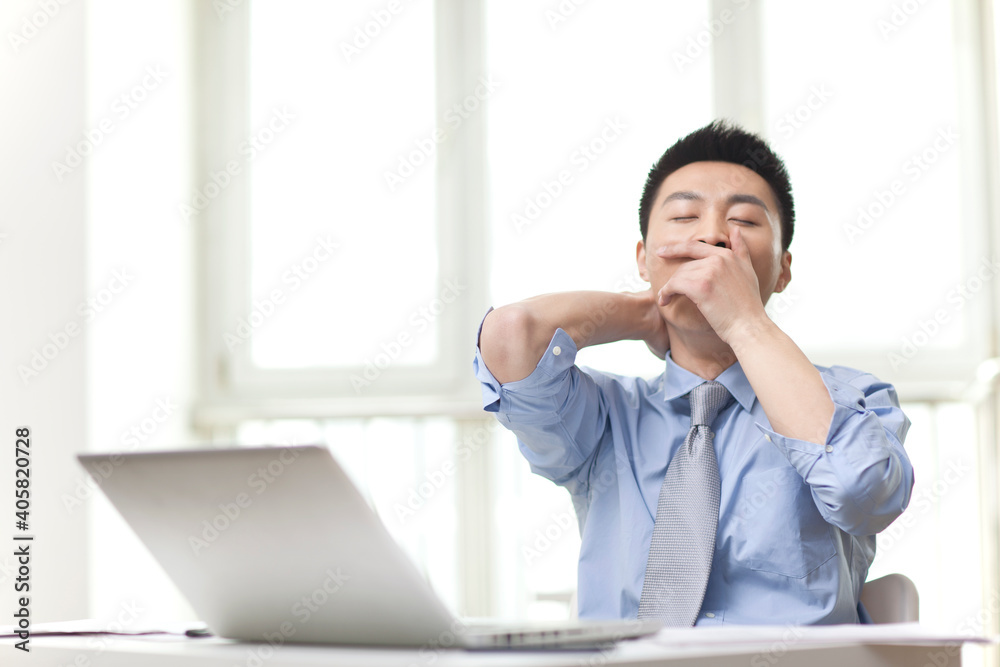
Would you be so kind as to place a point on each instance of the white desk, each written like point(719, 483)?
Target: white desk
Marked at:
point(811, 649)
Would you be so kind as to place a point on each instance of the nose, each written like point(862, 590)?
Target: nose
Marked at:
point(713, 231)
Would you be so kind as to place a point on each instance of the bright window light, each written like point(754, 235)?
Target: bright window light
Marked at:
point(349, 166)
point(874, 159)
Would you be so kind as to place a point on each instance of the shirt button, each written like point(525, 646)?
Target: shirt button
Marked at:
point(709, 615)
point(767, 437)
point(557, 350)
point(829, 448)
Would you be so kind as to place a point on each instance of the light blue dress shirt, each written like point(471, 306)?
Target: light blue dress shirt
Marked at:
point(797, 520)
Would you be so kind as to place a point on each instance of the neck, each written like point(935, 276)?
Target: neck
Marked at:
point(700, 352)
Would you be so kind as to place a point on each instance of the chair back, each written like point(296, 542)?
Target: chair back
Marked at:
point(891, 599)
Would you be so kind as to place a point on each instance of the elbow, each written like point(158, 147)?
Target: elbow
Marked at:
point(507, 341)
point(869, 508)
point(864, 525)
point(853, 517)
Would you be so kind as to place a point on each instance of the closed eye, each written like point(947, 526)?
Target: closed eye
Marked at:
point(745, 222)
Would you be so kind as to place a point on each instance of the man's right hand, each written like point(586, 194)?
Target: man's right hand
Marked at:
point(515, 337)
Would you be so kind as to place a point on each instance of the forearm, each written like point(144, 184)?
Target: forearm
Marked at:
point(515, 337)
point(861, 478)
point(788, 386)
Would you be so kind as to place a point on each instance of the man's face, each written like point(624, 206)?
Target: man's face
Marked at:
point(704, 202)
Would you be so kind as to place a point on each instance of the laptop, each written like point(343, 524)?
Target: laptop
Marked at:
point(276, 544)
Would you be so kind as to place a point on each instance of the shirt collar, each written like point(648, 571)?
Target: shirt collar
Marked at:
point(679, 381)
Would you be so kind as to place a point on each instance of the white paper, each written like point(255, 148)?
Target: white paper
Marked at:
point(94, 626)
point(804, 635)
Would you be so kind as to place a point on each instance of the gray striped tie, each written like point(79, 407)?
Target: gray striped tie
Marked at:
point(687, 516)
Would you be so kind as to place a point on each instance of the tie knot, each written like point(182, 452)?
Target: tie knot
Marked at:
point(706, 401)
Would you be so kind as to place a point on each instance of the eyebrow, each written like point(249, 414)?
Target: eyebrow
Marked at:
point(688, 195)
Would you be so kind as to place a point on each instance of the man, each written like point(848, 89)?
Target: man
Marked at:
point(806, 463)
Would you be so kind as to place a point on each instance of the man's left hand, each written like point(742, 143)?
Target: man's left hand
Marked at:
point(720, 281)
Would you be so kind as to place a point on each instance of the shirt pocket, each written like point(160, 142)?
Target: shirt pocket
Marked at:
point(782, 531)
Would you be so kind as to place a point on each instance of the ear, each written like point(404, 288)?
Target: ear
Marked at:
point(785, 275)
point(640, 260)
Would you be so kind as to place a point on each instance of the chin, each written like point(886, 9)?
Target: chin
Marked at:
point(683, 314)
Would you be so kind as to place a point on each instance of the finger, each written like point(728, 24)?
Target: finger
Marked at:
point(663, 296)
point(678, 285)
point(738, 245)
point(687, 249)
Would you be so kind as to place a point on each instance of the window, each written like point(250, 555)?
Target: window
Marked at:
point(345, 266)
point(888, 222)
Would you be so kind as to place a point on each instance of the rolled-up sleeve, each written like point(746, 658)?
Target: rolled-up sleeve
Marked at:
point(558, 412)
point(860, 477)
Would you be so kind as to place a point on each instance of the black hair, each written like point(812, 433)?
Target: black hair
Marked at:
point(720, 141)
